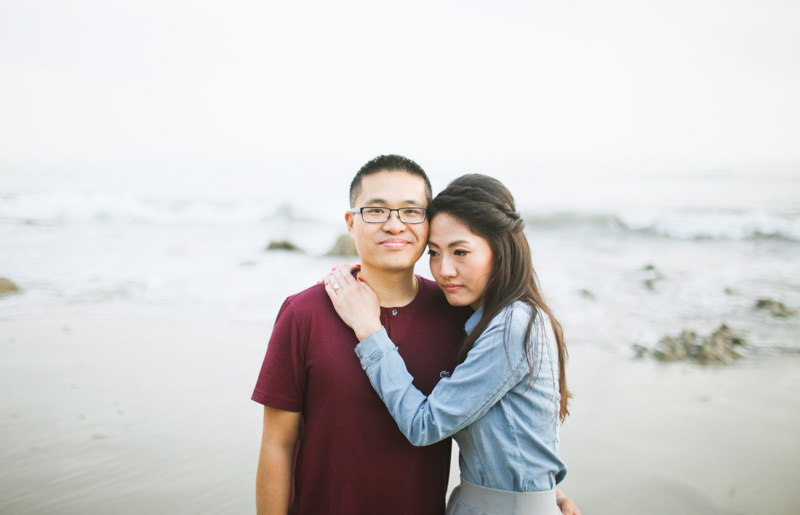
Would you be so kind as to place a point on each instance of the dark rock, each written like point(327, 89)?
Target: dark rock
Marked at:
point(718, 347)
point(344, 246)
point(775, 308)
point(7, 286)
point(651, 277)
point(283, 245)
point(726, 333)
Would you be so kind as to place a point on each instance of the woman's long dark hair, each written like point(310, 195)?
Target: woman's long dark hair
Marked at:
point(486, 206)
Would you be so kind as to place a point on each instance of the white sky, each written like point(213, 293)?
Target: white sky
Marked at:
point(471, 84)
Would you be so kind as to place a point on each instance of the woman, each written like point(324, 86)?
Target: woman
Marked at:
point(504, 401)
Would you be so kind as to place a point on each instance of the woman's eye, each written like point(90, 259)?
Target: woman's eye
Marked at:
point(432, 253)
point(460, 252)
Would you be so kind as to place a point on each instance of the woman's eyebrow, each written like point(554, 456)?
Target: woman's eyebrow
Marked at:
point(449, 245)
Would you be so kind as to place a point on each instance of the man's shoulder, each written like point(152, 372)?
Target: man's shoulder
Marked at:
point(312, 300)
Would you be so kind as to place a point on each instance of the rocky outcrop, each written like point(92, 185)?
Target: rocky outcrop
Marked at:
point(283, 245)
point(718, 347)
point(774, 308)
point(344, 246)
point(7, 286)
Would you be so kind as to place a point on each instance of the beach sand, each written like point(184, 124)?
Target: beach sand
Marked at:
point(677, 438)
point(148, 416)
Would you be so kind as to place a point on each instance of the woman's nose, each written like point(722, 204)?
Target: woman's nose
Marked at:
point(447, 270)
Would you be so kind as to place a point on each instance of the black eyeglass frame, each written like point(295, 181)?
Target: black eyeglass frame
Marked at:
point(360, 210)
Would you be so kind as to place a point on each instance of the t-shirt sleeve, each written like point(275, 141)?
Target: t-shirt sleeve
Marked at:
point(282, 381)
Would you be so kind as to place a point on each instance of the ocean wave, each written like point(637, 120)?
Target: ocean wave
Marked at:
point(680, 224)
point(58, 207)
point(715, 225)
point(67, 207)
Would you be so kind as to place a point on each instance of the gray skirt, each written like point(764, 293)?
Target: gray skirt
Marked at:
point(471, 499)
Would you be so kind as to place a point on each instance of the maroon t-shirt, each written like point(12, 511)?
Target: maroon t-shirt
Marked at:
point(351, 458)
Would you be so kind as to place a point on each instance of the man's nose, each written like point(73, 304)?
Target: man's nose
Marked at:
point(393, 224)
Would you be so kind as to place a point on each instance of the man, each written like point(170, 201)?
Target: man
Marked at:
point(329, 445)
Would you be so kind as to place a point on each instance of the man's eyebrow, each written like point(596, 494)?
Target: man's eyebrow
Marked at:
point(380, 201)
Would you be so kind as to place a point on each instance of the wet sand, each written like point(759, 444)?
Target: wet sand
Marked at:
point(648, 437)
point(128, 417)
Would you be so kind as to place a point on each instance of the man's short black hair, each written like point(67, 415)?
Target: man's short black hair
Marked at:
point(388, 163)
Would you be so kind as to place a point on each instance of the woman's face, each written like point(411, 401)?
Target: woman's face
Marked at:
point(461, 261)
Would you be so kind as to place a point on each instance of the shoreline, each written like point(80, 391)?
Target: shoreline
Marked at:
point(130, 416)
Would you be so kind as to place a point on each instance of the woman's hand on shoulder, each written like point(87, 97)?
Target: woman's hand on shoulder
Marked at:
point(354, 301)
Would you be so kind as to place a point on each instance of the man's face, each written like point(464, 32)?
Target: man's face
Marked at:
point(391, 245)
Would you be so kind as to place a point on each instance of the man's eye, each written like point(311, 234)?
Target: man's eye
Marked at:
point(375, 211)
point(412, 212)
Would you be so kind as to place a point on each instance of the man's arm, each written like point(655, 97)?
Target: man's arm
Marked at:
point(274, 477)
point(565, 504)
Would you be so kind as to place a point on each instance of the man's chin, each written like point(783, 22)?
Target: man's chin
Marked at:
point(395, 263)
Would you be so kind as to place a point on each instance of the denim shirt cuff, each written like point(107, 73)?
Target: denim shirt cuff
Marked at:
point(373, 347)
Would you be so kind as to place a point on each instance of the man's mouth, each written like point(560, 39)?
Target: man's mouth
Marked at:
point(395, 243)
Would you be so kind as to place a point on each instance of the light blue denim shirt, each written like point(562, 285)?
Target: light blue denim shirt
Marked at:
point(507, 430)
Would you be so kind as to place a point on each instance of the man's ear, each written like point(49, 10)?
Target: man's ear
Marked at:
point(348, 218)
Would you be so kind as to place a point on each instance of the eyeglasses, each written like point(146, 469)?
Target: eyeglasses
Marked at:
point(379, 215)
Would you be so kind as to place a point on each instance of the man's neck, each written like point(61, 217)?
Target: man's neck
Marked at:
point(394, 288)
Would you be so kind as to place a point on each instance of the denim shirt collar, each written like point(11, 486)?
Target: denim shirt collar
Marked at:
point(473, 320)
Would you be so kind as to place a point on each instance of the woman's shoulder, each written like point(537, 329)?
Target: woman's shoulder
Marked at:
point(516, 317)
point(517, 312)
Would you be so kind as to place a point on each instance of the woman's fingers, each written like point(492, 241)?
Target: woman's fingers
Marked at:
point(342, 279)
point(346, 268)
point(330, 290)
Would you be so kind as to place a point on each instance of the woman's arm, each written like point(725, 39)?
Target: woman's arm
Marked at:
point(475, 386)
point(489, 371)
